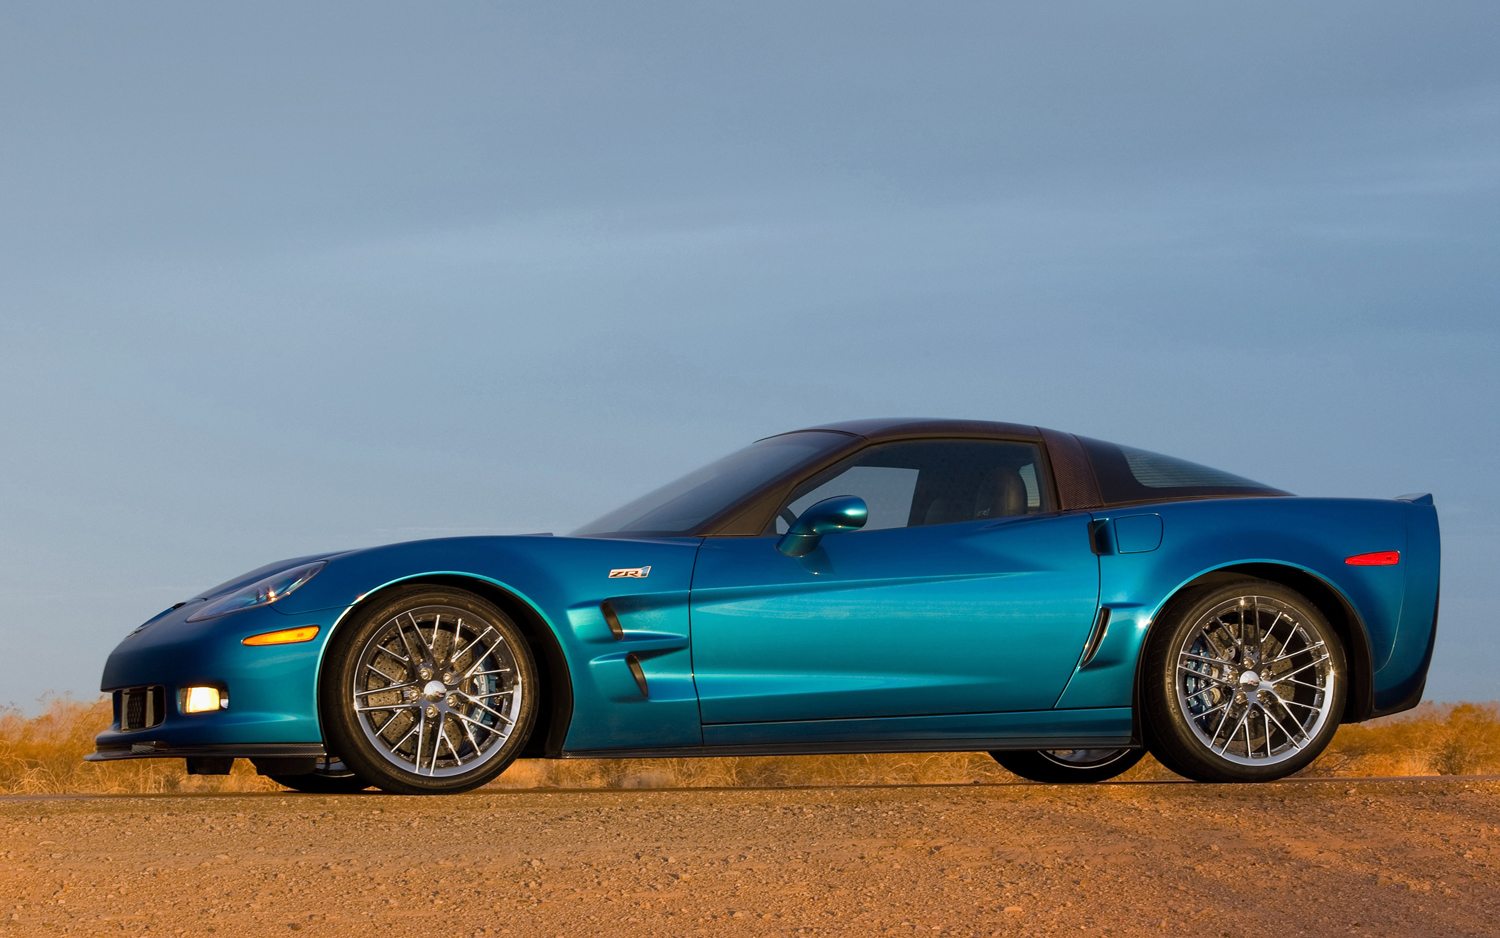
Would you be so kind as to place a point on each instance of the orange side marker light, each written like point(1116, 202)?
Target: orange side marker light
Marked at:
point(302, 633)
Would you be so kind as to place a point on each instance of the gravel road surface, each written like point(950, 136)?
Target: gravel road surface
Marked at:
point(1337, 857)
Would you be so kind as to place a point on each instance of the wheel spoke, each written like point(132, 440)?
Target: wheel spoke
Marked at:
point(485, 707)
point(1289, 636)
point(415, 727)
point(379, 708)
point(1271, 631)
point(1310, 664)
point(1300, 651)
point(381, 690)
point(457, 759)
point(498, 693)
point(458, 625)
point(1211, 711)
point(1284, 731)
point(406, 642)
point(1315, 687)
point(1202, 690)
point(388, 721)
point(1222, 720)
point(1244, 718)
point(464, 723)
point(1205, 676)
point(381, 648)
point(374, 670)
point(479, 723)
point(487, 630)
point(1208, 636)
point(421, 735)
point(1219, 662)
point(437, 744)
point(439, 731)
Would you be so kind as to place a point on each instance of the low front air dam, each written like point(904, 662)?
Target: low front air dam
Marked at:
point(272, 711)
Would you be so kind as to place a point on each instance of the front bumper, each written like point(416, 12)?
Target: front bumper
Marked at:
point(272, 689)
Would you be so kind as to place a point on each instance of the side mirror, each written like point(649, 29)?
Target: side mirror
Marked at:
point(840, 513)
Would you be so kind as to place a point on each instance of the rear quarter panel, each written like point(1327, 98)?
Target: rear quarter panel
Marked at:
point(1312, 535)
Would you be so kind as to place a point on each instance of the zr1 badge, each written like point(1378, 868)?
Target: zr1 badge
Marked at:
point(630, 573)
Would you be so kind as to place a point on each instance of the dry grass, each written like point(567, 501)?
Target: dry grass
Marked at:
point(43, 754)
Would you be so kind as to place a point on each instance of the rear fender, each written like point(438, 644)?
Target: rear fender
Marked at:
point(1297, 541)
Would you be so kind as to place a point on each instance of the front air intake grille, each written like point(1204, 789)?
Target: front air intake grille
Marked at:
point(141, 707)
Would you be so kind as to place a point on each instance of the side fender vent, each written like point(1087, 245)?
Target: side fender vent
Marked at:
point(634, 664)
point(612, 619)
point(1096, 637)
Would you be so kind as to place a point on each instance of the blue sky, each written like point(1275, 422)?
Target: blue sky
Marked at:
point(276, 279)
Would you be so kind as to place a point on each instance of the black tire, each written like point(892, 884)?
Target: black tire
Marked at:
point(323, 783)
point(1068, 766)
point(433, 691)
point(1239, 679)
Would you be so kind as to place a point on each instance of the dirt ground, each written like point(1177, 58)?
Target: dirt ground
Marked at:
point(1335, 857)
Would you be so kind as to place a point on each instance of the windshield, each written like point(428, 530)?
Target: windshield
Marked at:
point(683, 506)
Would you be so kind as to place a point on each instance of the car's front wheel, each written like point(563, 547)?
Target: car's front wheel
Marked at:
point(1244, 682)
point(429, 691)
point(1068, 766)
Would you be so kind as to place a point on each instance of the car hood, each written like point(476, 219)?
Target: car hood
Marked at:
point(531, 565)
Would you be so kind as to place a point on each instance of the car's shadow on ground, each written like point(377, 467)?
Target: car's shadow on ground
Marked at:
point(771, 789)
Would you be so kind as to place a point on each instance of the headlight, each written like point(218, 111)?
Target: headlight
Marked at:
point(260, 593)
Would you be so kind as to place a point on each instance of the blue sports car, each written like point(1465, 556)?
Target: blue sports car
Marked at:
point(1062, 603)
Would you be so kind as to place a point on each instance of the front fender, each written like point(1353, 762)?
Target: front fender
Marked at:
point(565, 582)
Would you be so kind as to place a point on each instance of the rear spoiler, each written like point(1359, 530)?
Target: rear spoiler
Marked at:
point(1422, 498)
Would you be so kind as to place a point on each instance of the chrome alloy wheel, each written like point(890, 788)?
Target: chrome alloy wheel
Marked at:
point(437, 690)
point(1255, 680)
point(1083, 758)
point(1068, 766)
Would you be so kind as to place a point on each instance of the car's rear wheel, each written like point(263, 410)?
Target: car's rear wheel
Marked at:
point(1243, 682)
point(429, 691)
point(332, 778)
point(1068, 766)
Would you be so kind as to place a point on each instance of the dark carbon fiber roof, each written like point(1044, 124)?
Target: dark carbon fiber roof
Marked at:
point(879, 428)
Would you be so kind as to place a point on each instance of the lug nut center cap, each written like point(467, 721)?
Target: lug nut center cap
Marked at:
point(1249, 678)
point(434, 690)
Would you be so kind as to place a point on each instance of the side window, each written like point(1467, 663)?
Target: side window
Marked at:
point(887, 490)
point(924, 482)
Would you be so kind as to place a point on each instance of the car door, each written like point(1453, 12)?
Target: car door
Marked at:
point(965, 593)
